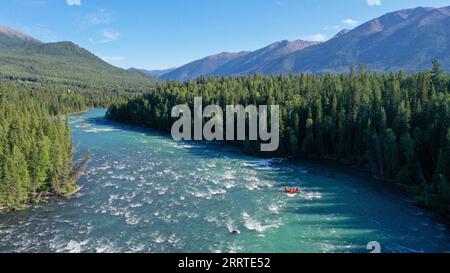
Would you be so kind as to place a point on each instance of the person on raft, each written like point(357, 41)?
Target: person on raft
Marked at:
point(292, 190)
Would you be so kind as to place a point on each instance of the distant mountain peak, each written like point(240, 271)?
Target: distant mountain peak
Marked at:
point(237, 63)
point(341, 33)
point(152, 73)
point(10, 38)
point(406, 13)
point(406, 40)
point(26, 58)
point(393, 20)
point(203, 66)
point(292, 45)
point(11, 33)
point(225, 55)
point(65, 48)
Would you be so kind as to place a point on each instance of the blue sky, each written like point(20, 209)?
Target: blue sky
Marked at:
point(155, 34)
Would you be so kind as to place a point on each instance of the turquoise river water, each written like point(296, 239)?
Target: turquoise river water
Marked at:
point(144, 192)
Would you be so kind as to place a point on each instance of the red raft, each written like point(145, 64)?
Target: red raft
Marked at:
point(292, 190)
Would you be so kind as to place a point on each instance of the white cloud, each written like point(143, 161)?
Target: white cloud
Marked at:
point(315, 37)
point(73, 2)
point(109, 36)
point(113, 59)
point(374, 2)
point(105, 36)
point(101, 16)
point(350, 22)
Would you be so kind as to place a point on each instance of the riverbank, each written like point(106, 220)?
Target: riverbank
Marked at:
point(79, 169)
point(408, 191)
point(79, 113)
point(144, 192)
point(43, 197)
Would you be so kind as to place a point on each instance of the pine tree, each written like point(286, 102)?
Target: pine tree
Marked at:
point(39, 164)
point(16, 179)
point(396, 124)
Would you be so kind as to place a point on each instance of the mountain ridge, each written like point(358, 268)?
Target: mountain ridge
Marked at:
point(239, 63)
point(403, 40)
point(408, 39)
point(202, 67)
point(250, 63)
point(25, 58)
point(152, 73)
point(11, 37)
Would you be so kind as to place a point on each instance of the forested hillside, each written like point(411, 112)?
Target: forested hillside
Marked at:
point(63, 63)
point(35, 148)
point(395, 125)
point(66, 63)
point(39, 82)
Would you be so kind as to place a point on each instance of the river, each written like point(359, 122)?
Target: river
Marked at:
point(144, 192)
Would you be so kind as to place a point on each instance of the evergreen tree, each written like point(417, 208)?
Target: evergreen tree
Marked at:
point(396, 125)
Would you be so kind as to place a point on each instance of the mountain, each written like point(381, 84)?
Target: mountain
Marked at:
point(10, 37)
point(25, 58)
point(242, 63)
point(341, 33)
point(252, 62)
point(407, 39)
point(204, 66)
point(152, 73)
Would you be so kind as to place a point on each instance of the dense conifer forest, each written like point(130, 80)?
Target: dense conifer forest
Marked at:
point(35, 138)
point(36, 149)
point(394, 125)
